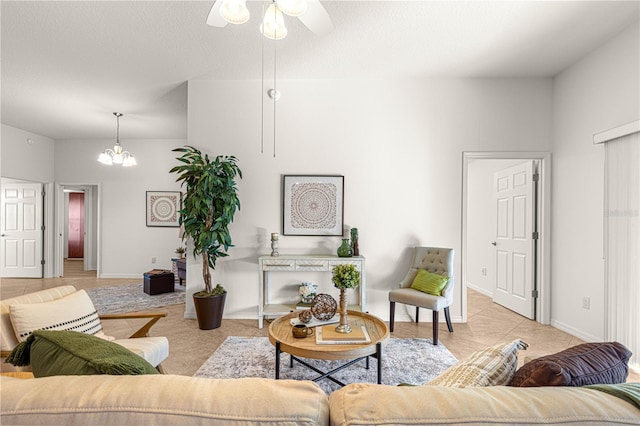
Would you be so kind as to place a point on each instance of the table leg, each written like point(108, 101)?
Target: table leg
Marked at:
point(379, 356)
point(278, 352)
point(367, 364)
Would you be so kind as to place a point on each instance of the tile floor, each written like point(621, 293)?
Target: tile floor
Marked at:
point(488, 324)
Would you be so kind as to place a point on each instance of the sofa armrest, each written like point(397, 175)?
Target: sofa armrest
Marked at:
point(144, 330)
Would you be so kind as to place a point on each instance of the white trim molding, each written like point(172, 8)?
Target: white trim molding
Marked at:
point(617, 132)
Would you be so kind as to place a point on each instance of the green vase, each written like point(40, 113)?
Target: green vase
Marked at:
point(345, 248)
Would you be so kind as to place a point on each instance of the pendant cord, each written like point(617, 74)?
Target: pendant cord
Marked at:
point(262, 96)
point(275, 97)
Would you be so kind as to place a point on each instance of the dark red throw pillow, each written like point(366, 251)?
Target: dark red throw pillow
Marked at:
point(585, 364)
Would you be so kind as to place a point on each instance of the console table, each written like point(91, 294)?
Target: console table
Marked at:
point(297, 263)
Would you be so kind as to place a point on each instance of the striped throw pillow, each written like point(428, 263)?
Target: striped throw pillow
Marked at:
point(493, 366)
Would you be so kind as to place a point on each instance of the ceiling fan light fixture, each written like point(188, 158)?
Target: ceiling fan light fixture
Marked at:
point(273, 23)
point(292, 7)
point(234, 11)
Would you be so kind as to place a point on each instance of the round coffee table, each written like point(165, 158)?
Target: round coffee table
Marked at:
point(281, 337)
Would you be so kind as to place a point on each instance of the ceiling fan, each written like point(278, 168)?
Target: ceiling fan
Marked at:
point(310, 12)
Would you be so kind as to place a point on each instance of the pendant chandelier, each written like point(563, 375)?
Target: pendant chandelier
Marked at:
point(117, 155)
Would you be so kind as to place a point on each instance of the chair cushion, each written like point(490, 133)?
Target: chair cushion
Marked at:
point(73, 312)
point(8, 340)
point(428, 282)
point(153, 349)
point(68, 353)
point(585, 364)
point(493, 366)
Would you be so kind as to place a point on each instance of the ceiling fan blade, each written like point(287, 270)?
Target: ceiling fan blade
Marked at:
point(215, 19)
point(316, 18)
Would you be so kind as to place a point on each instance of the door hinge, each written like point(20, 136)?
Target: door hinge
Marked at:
point(536, 177)
point(42, 228)
point(535, 235)
point(43, 194)
point(534, 294)
point(42, 262)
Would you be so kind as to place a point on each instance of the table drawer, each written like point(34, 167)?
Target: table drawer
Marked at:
point(346, 261)
point(279, 265)
point(312, 265)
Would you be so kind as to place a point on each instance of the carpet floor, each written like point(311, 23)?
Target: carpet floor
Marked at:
point(132, 298)
point(414, 361)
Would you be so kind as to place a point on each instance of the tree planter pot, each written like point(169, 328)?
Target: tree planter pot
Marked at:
point(209, 310)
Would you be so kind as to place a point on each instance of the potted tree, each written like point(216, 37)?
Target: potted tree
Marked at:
point(210, 202)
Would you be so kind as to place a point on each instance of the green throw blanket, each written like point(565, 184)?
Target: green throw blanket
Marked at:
point(62, 352)
point(630, 392)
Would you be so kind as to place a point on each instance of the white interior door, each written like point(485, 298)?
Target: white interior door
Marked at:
point(21, 230)
point(515, 205)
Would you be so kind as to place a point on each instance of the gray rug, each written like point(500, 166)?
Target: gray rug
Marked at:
point(414, 361)
point(131, 298)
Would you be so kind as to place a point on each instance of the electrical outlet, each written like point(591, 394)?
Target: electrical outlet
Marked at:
point(484, 271)
point(153, 260)
point(586, 302)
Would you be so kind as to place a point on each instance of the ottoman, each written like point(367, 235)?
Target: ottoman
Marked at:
point(158, 281)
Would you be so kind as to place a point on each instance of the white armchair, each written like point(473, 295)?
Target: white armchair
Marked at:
point(435, 260)
point(65, 308)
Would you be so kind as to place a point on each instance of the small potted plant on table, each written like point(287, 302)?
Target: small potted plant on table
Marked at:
point(345, 276)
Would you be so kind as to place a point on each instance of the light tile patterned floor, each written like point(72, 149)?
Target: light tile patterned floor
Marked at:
point(488, 324)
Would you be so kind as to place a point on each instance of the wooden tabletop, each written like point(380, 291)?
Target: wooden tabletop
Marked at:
point(280, 331)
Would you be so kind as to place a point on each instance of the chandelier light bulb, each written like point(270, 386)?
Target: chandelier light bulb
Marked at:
point(273, 23)
point(292, 7)
point(234, 11)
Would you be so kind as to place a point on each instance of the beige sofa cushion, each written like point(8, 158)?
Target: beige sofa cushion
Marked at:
point(366, 404)
point(161, 400)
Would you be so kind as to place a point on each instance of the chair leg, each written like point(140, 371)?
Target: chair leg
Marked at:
point(392, 312)
point(417, 314)
point(447, 316)
point(435, 327)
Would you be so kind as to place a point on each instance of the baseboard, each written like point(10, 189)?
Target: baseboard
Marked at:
point(575, 332)
point(480, 290)
point(138, 276)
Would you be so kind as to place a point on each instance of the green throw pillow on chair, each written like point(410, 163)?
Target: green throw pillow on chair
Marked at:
point(70, 353)
point(428, 282)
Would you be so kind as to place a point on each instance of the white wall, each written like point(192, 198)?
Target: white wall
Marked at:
point(126, 244)
point(23, 160)
point(600, 92)
point(399, 145)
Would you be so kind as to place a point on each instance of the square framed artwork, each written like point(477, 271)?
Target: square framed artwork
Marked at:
point(163, 208)
point(313, 205)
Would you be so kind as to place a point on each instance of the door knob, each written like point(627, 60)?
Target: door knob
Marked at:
point(494, 243)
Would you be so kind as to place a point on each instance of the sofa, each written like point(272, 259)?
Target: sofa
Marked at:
point(180, 400)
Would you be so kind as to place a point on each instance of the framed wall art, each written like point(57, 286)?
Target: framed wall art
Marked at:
point(313, 205)
point(163, 207)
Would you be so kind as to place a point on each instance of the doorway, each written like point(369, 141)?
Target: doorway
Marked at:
point(480, 255)
point(77, 228)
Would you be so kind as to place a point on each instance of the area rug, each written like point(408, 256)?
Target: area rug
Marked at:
point(131, 297)
point(413, 361)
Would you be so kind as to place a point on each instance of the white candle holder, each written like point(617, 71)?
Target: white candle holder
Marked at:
point(274, 244)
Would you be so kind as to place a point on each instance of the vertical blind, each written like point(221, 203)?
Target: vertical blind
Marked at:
point(622, 242)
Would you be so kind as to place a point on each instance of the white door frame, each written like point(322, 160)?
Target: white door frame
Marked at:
point(543, 272)
point(60, 231)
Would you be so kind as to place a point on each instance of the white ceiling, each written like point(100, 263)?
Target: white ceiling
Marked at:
point(66, 66)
